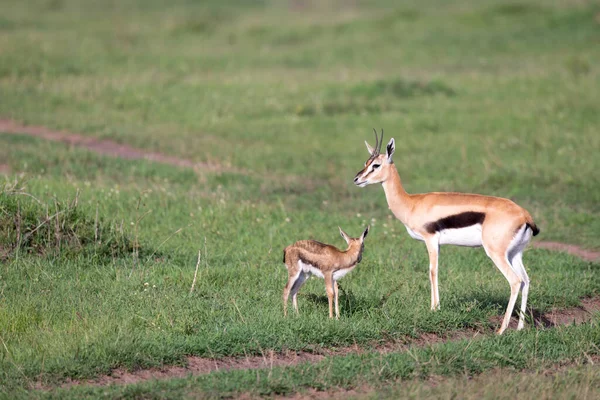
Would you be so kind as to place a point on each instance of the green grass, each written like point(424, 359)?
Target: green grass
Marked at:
point(575, 381)
point(79, 308)
point(488, 97)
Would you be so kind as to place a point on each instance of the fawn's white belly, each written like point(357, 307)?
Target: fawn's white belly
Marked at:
point(310, 269)
point(340, 273)
point(469, 236)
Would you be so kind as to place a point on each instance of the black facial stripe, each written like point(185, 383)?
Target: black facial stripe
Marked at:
point(456, 221)
point(369, 162)
point(360, 253)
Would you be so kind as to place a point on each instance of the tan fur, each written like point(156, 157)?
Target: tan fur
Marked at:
point(503, 220)
point(326, 259)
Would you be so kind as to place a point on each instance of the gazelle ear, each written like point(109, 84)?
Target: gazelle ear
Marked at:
point(365, 233)
point(391, 147)
point(346, 237)
point(369, 148)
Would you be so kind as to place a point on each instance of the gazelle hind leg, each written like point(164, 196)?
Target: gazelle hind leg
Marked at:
point(515, 256)
point(514, 281)
point(517, 263)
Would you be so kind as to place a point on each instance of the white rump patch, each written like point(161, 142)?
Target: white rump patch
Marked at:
point(518, 243)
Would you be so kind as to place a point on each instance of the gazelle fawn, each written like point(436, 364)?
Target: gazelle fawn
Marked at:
point(309, 257)
point(499, 225)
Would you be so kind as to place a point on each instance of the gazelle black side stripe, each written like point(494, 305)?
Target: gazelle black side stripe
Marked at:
point(456, 221)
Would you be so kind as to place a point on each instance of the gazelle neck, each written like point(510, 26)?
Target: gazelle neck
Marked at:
point(353, 255)
point(350, 257)
point(398, 200)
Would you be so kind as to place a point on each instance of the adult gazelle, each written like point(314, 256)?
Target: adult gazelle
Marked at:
point(499, 225)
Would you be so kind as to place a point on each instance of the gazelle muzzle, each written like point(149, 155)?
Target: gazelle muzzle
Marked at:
point(358, 181)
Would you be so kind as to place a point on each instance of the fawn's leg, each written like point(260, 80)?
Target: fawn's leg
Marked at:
point(337, 310)
point(329, 289)
point(295, 288)
point(293, 274)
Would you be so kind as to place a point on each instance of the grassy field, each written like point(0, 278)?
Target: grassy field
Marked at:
point(97, 254)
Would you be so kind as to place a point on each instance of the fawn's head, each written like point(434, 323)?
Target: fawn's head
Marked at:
point(356, 244)
point(378, 165)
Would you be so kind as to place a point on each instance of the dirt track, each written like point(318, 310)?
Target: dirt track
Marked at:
point(587, 255)
point(104, 147)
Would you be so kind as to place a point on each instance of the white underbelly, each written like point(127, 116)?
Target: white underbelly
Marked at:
point(469, 236)
point(310, 269)
point(413, 234)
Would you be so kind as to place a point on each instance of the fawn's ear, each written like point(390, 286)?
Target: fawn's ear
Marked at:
point(365, 233)
point(346, 237)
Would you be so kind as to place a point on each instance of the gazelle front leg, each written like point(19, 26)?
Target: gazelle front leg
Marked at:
point(433, 248)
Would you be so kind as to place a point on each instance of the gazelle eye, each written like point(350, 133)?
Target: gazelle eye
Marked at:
point(375, 166)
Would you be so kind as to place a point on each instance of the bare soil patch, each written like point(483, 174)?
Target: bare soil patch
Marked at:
point(574, 315)
point(587, 255)
point(559, 317)
point(107, 147)
point(199, 366)
point(4, 169)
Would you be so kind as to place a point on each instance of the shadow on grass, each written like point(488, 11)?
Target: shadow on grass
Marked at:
point(349, 303)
